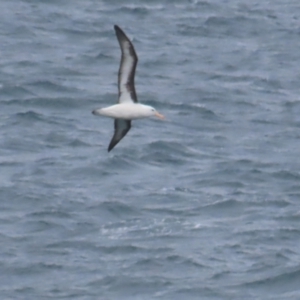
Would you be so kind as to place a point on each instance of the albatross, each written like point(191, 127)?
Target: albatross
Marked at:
point(128, 108)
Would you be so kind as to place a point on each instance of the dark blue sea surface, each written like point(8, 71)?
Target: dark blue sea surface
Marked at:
point(203, 205)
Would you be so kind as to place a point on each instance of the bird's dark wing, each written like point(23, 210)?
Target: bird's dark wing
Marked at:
point(128, 64)
point(121, 128)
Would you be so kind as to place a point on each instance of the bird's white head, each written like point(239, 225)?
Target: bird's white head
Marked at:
point(152, 112)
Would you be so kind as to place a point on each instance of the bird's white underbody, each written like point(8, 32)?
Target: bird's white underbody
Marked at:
point(128, 111)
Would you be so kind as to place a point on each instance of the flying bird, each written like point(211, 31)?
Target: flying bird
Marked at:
point(128, 108)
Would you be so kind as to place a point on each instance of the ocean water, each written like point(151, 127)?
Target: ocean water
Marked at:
point(203, 205)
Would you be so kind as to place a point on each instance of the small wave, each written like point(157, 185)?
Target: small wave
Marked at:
point(51, 102)
point(32, 116)
point(10, 92)
point(118, 209)
point(225, 208)
point(194, 107)
point(43, 86)
point(51, 214)
point(78, 143)
point(287, 175)
point(236, 25)
point(158, 153)
point(141, 9)
point(29, 116)
point(176, 147)
point(191, 30)
point(280, 283)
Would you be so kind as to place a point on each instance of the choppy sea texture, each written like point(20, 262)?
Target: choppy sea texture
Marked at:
point(202, 206)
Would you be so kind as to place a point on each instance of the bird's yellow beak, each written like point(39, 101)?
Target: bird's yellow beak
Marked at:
point(159, 115)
